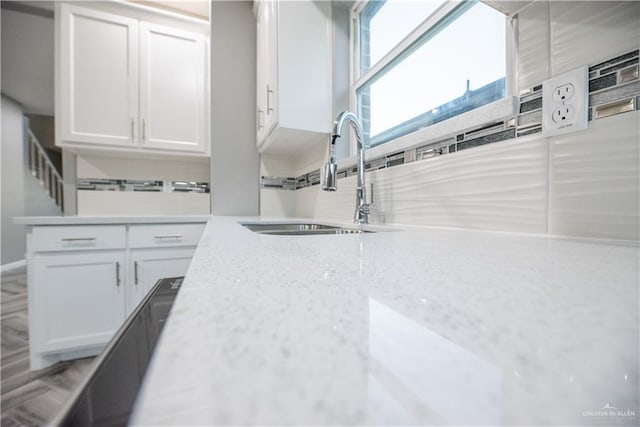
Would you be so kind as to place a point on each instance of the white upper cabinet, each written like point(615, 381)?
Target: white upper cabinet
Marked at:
point(130, 85)
point(172, 88)
point(294, 62)
point(261, 75)
point(98, 78)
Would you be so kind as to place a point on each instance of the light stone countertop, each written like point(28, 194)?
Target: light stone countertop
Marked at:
point(109, 219)
point(421, 326)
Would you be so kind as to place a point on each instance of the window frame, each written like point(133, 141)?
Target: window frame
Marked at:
point(504, 107)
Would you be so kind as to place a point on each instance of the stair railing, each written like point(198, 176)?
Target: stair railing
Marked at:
point(43, 170)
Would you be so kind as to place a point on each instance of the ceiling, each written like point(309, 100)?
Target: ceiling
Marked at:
point(508, 7)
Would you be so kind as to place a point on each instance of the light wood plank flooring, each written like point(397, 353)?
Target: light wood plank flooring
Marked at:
point(29, 398)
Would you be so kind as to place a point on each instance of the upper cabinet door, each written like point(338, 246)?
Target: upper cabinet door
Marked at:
point(267, 72)
point(261, 75)
point(98, 90)
point(172, 88)
point(294, 81)
point(271, 69)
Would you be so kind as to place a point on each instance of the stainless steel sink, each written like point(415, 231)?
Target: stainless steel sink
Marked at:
point(300, 229)
point(293, 226)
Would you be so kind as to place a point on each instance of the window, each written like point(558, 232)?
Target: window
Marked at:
point(422, 62)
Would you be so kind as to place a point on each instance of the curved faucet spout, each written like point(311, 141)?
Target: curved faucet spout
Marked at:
point(361, 215)
point(338, 124)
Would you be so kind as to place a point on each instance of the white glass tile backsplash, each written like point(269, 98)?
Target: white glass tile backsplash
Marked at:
point(91, 202)
point(501, 186)
point(595, 182)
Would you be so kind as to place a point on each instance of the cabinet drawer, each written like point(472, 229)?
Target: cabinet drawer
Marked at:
point(164, 235)
point(78, 237)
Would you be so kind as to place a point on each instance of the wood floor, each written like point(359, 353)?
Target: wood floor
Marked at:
point(29, 398)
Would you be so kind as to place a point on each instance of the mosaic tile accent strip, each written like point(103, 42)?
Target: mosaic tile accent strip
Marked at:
point(614, 88)
point(139, 185)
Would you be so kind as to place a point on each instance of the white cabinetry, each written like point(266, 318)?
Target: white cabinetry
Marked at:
point(98, 77)
point(151, 265)
point(261, 72)
point(128, 84)
point(84, 280)
point(158, 251)
point(76, 289)
point(267, 67)
point(293, 74)
point(82, 304)
point(172, 88)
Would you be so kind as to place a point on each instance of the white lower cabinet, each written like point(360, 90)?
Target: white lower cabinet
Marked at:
point(85, 280)
point(82, 303)
point(151, 265)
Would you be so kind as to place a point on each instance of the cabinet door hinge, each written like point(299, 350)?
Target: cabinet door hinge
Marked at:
point(269, 92)
point(260, 125)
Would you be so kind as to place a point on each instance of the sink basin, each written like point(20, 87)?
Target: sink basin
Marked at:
point(300, 229)
point(295, 226)
point(314, 232)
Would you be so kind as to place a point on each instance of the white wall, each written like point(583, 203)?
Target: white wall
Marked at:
point(235, 163)
point(27, 60)
point(13, 236)
point(22, 195)
point(581, 184)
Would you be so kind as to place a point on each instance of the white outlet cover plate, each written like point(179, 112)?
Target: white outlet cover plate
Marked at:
point(575, 84)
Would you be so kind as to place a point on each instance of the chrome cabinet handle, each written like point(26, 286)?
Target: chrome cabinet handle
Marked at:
point(144, 130)
point(169, 236)
point(133, 130)
point(79, 239)
point(269, 91)
point(117, 274)
point(135, 272)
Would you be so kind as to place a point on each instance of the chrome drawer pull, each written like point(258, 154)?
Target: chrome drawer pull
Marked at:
point(169, 236)
point(79, 239)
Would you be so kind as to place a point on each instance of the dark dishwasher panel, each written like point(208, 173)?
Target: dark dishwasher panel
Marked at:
point(108, 394)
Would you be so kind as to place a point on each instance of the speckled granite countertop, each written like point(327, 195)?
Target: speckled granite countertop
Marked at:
point(420, 326)
point(109, 219)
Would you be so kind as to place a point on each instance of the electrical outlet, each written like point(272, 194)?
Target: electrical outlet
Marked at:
point(565, 102)
point(563, 92)
point(563, 114)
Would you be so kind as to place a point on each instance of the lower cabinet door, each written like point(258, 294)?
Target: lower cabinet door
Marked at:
point(151, 265)
point(79, 301)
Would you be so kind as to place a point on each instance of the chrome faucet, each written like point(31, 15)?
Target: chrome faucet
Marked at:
point(330, 183)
